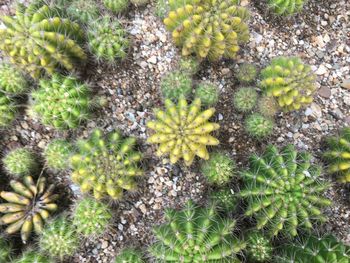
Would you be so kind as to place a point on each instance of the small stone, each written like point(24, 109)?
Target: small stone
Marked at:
point(143, 209)
point(321, 70)
point(152, 60)
point(220, 117)
point(104, 244)
point(325, 92)
point(346, 84)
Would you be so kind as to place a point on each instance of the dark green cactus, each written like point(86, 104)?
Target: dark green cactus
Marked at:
point(225, 199)
point(57, 154)
point(20, 161)
point(246, 73)
point(245, 99)
point(84, 11)
point(176, 84)
point(208, 93)
point(259, 126)
point(32, 257)
point(286, 7)
point(7, 110)
point(129, 255)
point(259, 247)
point(12, 81)
point(116, 6)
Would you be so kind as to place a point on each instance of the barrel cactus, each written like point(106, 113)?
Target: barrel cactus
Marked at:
point(32, 257)
point(189, 65)
point(20, 161)
point(116, 6)
point(57, 154)
point(245, 99)
point(129, 255)
point(84, 11)
point(7, 110)
point(208, 93)
point(225, 199)
point(246, 73)
point(259, 126)
point(259, 247)
point(175, 85)
point(267, 106)
point(286, 7)
point(12, 81)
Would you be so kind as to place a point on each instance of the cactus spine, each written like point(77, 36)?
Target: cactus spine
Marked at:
point(129, 255)
point(225, 199)
point(20, 161)
point(33, 257)
point(11, 80)
point(57, 154)
point(259, 248)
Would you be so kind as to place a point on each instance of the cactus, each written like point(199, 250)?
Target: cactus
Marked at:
point(28, 207)
point(267, 106)
point(209, 29)
point(11, 80)
point(259, 126)
point(20, 161)
point(107, 39)
point(106, 166)
point(129, 255)
point(196, 235)
point(162, 8)
point(290, 81)
point(183, 131)
point(219, 169)
point(286, 7)
point(62, 102)
point(139, 2)
point(116, 6)
point(85, 11)
point(38, 40)
point(57, 154)
point(33, 257)
point(283, 191)
point(245, 99)
point(259, 248)
point(313, 249)
point(246, 73)
point(91, 217)
point(225, 200)
point(5, 250)
point(208, 93)
point(7, 110)
point(59, 238)
point(189, 65)
point(338, 155)
point(176, 84)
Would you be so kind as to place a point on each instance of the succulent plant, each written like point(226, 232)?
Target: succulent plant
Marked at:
point(28, 207)
point(286, 7)
point(196, 235)
point(190, 65)
point(12, 81)
point(5, 250)
point(259, 126)
point(39, 40)
point(7, 110)
point(116, 6)
point(162, 8)
point(176, 84)
point(20, 161)
point(259, 248)
point(84, 11)
point(283, 191)
point(62, 102)
point(246, 73)
point(219, 169)
point(139, 2)
point(225, 199)
point(129, 255)
point(338, 155)
point(32, 257)
point(267, 106)
point(290, 81)
point(313, 249)
point(107, 39)
point(91, 217)
point(106, 166)
point(57, 154)
point(245, 99)
point(208, 93)
point(183, 131)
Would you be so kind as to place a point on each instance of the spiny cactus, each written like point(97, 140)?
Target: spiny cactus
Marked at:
point(183, 131)
point(62, 102)
point(283, 191)
point(107, 39)
point(57, 154)
point(129, 255)
point(267, 106)
point(85, 11)
point(39, 40)
point(162, 8)
point(208, 93)
point(12, 81)
point(338, 155)
point(189, 65)
point(286, 7)
point(32, 257)
point(225, 199)
point(139, 2)
point(196, 235)
point(259, 248)
point(210, 29)
point(20, 161)
point(176, 84)
point(245, 99)
point(91, 217)
point(106, 166)
point(312, 249)
point(7, 110)
point(5, 250)
point(28, 207)
point(290, 81)
point(246, 73)
point(116, 6)
point(259, 126)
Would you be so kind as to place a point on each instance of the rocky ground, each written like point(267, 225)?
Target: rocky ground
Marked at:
point(320, 35)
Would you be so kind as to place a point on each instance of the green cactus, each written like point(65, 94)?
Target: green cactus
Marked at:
point(225, 199)
point(267, 106)
point(183, 131)
point(162, 8)
point(116, 6)
point(57, 154)
point(91, 217)
point(106, 166)
point(84, 11)
point(259, 248)
point(208, 93)
point(5, 250)
point(338, 155)
point(62, 102)
point(313, 249)
point(290, 81)
point(28, 207)
point(196, 235)
point(286, 7)
point(210, 29)
point(190, 65)
point(7, 110)
point(246, 73)
point(176, 84)
point(107, 39)
point(139, 2)
point(284, 191)
point(258, 126)
point(245, 99)
point(32, 257)
point(129, 255)
point(12, 81)
point(20, 161)
point(39, 40)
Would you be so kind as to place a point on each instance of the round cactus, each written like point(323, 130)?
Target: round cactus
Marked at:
point(129, 255)
point(139, 2)
point(245, 99)
point(7, 110)
point(12, 81)
point(259, 126)
point(20, 162)
point(162, 8)
point(208, 93)
point(246, 73)
point(225, 200)
point(189, 65)
point(290, 81)
point(62, 102)
point(176, 84)
point(91, 217)
point(85, 11)
point(32, 257)
point(116, 6)
point(267, 106)
point(57, 154)
point(5, 251)
point(219, 169)
point(259, 248)
point(286, 7)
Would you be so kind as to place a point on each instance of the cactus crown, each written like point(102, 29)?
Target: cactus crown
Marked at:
point(183, 131)
point(196, 235)
point(116, 6)
point(259, 248)
point(259, 126)
point(290, 81)
point(84, 11)
point(29, 205)
point(57, 154)
point(106, 166)
point(286, 7)
point(245, 99)
point(225, 199)
point(5, 250)
point(20, 161)
point(176, 84)
point(208, 93)
point(283, 191)
point(129, 255)
point(246, 73)
point(38, 40)
point(208, 28)
point(7, 110)
point(11, 80)
point(33, 257)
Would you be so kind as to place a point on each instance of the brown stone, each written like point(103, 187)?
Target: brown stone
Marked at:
point(346, 84)
point(325, 92)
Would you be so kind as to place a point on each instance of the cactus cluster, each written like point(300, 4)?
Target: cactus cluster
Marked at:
point(259, 247)
point(286, 7)
point(183, 131)
point(259, 126)
point(208, 93)
point(245, 99)
point(290, 81)
point(28, 207)
point(12, 81)
point(246, 73)
point(116, 6)
point(32, 257)
point(84, 11)
point(39, 40)
point(5, 250)
point(189, 65)
point(283, 191)
point(20, 161)
point(211, 29)
point(175, 85)
point(196, 235)
point(57, 154)
point(106, 166)
point(129, 255)
point(225, 200)
point(7, 110)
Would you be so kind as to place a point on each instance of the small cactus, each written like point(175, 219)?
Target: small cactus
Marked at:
point(7, 110)
point(91, 217)
point(225, 200)
point(12, 81)
point(162, 8)
point(32, 257)
point(183, 131)
point(259, 248)
point(189, 65)
point(290, 81)
point(283, 191)
point(20, 161)
point(116, 6)
point(5, 250)
point(286, 7)
point(106, 166)
point(245, 99)
point(259, 126)
point(57, 154)
point(62, 102)
point(176, 84)
point(84, 11)
point(267, 106)
point(246, 73)
point(28, 207)
point(196, 235)
point(139, 2)
point(129, 255)
point(208, 93)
